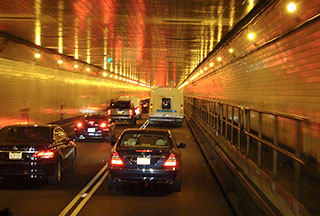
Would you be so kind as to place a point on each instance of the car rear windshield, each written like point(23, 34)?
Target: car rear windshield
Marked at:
point(145, 140)
point(120, 105)
point(20, 135)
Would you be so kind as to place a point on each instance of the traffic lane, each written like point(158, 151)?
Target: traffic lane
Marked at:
point(200, 194)
point(39, 198)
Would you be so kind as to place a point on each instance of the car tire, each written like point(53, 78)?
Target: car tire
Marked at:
point(111, 184)
point(74, 162)
point(176, 186)
point(55, 179)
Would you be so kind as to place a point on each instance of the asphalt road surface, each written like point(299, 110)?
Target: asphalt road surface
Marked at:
point(85, 192)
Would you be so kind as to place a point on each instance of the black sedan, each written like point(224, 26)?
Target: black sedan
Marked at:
point(96, 126)
point(145, 156)
point(36, 151)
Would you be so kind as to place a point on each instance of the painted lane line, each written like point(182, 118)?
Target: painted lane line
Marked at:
point(87, 195)
point(75, 200)
point(85, 200)
point(145, 124)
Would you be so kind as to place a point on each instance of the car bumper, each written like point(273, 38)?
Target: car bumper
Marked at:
point(32, 170)
point(165, 119)
point(143, 175)
point(97, 135)
point(121, 118)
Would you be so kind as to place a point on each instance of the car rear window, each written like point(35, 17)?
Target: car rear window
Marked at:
point(145, 140)
point(21, 135)
point(120, 105)
point(166, 103)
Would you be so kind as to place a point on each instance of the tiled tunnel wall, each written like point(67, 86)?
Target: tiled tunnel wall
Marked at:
point(37, 91)
point(278, 71)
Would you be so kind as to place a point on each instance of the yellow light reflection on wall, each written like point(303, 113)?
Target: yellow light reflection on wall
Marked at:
point(250, 6)
point(88, 40)
point(37, 7)
point(60, 25)
point(232, 12)
point(37, 55)
point(220, 14)
point(105, 51)
point(76, 39)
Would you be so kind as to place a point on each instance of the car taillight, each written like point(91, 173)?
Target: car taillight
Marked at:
point(79, 124)
point(91, 122)
point(109, 111)
point(44, 154)
point(130, 112)
point(172, 161)
point(103, 125)
point(115, 159)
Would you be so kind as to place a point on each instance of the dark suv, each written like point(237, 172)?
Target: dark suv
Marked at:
point(122, 111)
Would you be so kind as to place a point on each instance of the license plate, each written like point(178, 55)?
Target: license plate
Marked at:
point(143, 161)
point(91, 130)
point(120, 112)
point(15, 155)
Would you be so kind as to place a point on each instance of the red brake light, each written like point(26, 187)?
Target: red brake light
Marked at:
point(172, 161)
point(103, 125)
point(109, 111)
point(115, 159)
point(44, 154)
point(79, 125)
point(130, 112)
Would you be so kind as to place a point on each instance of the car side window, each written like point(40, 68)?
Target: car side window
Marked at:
point(59, 135)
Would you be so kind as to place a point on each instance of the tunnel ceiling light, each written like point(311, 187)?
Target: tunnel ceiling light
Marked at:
point(205, 68)
point(201, 71)
point(111, 76)
point(116, 77)
point(88, 69)
point(120, 78)
point(251, 36)
point(60, 61)
point(291, 7)
point(219, 58)
point(104, 74)
point(37, 55)
point(230, 50)
point(211, 64)
point(75, 66)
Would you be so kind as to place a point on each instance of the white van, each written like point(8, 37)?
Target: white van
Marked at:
point(136, 102)
point(166, 106)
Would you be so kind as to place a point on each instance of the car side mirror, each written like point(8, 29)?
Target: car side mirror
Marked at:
point(182, 145)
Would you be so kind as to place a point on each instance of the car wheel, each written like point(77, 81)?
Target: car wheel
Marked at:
point(111, 184)
point(176, 186)
point(74, 162)
point(55, 179)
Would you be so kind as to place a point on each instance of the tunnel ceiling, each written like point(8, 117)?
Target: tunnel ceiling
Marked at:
point(155, 41)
